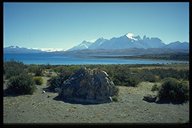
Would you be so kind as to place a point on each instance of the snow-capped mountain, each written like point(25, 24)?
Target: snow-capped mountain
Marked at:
point(51, 49)
point(81, 46)
point(118, 43)
point(123, 42)
point(17, 49)
point(131, 36)
point(97, 43)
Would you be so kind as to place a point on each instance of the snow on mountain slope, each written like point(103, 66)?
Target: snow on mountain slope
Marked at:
point(81, 46)
point(131, 36)
point(123, 42)
point(127, 41)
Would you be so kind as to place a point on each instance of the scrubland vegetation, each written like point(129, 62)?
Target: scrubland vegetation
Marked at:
point(21, 84)
point(174, 90)
point(22, 78)
point(38, 80)
point(170, 83)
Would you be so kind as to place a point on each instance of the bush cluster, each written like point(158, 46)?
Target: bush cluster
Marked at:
point(36, 69)
point(122, 74)
point(21, 84)
point(57, 81)
point(39, 72)
point(13, 68)
point(155, 75)
point(155, 88)
point(125, 78)
point(174, 91)
point(38, 80)
point(130, 75)
point(115, 98)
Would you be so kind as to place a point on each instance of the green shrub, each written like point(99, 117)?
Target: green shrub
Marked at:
point(124, 77)
point(13, 68)
point(173, 90)
point(39, 72)
point(22, 84)
point(115, 98)
point(36, 69)
point(57, 81)
point(133, 81)
point(155, 88)
point(48, 75)
point(38, 80)
point(147, 75)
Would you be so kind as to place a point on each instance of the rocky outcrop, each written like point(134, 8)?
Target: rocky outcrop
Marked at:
point(88, 86)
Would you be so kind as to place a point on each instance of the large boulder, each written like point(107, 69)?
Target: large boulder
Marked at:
point(88, 86)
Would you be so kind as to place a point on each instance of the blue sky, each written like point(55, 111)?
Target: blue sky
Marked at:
point(63, 25)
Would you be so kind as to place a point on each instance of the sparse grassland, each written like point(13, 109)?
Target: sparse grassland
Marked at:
point(133, 81)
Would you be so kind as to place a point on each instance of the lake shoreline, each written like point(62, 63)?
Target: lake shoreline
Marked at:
point(78, 60)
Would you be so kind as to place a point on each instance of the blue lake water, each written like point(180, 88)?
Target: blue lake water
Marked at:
point(57, 59)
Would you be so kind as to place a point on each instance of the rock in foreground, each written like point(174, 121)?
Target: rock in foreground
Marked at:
point(88, 86)
point(150, 98)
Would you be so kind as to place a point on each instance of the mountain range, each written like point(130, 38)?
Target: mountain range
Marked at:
point(129, 41)
point(17, 49)
point(127, 44)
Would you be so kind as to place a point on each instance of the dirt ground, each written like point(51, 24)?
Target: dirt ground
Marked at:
point(43, 108)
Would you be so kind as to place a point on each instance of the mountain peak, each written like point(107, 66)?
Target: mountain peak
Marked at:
point(13, 46)
point(101, 38)
point(126, 41)
point(85, 41)
point(131, 36)
point(17, 49)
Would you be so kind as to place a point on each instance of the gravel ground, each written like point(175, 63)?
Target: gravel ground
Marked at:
point(42, 108)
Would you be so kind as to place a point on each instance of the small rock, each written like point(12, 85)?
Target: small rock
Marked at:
point(110, 98)
point(150, 98)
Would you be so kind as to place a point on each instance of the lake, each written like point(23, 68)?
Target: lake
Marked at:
point(59, 59)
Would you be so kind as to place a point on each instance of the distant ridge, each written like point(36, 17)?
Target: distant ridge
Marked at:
point(17, 49)
point(127, 44)
point(128, 41)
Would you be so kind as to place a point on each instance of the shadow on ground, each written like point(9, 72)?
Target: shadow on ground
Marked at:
point(167, 102)
point(57, 98)
point(48, 89)
point(170, 102)
point(9, 93)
